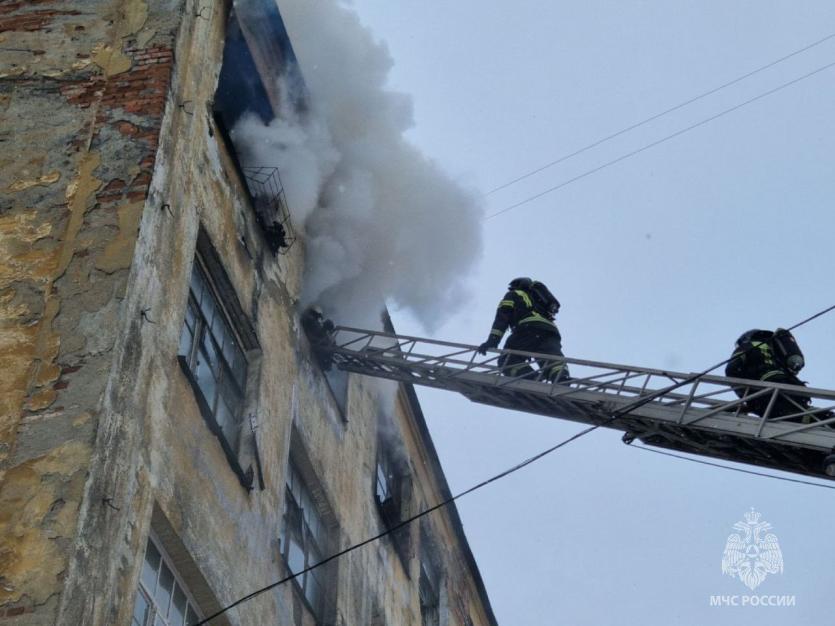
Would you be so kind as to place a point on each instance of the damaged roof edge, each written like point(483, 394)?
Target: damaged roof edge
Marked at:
point(452, 509)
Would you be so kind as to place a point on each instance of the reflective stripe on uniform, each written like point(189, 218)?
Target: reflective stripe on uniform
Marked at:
point(497, 332)
point(506, 303)
point(771, 374)
point(536, 317)
point(525, 298)
point(765, 349)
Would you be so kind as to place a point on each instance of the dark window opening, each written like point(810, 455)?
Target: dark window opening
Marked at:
point(239, 87)
point(240, 90)
point(392, 490)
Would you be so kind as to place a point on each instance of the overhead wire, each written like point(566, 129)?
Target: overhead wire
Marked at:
point(392, 529)
point(732, 468)
point(661, 141)
point(652, 118)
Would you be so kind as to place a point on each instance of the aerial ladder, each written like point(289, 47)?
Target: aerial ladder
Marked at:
point(697, 414)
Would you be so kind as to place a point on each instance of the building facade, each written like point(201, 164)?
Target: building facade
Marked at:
point(169, 442)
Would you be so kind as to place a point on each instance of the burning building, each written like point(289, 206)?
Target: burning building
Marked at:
point(169, 442)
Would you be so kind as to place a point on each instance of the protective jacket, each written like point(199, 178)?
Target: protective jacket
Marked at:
point(765, 355)
point(517, 311)
point(774, 357)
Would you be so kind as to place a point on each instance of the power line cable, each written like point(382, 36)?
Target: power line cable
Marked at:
point(615, 415)
point(661, 114)
point(403, 523)
point(732, 468)
point(662, 140)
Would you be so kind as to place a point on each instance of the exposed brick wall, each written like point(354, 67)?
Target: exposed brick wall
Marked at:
point(83, 91)
point(33, 21)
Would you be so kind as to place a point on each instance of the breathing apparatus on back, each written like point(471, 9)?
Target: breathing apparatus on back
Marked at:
point(544, 302)
point(783, 344)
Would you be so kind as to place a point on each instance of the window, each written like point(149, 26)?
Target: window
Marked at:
point(213, 355)
point(338, 383)
point(392, 488)
point(256, 46)
point(304, 538)
point(239, 87)
point(162, 599)
point(429, 590)
point(220, 357)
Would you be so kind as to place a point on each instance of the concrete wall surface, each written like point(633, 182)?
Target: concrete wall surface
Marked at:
point(115, 181)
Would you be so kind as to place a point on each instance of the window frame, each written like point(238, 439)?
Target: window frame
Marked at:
point(150, 596)
point(340, 398)
point(398, 485)
point(204, 331)
point(198, 331)
point(310, 541)
point(429, 587)
point(250, 51)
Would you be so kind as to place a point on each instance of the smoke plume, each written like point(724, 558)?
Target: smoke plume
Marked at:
point(382, 222)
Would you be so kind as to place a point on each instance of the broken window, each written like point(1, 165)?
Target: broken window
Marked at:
point(256, 46)
point(239, 87)
point(162, 599)
point(304, 539)
point(392, 490)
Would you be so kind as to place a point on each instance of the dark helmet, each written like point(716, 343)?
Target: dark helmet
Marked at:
point(754, 335)
point(520, 283)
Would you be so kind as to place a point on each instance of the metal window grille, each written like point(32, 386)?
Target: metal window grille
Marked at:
point(161, 597)
point(214, 356)
point(270, 204)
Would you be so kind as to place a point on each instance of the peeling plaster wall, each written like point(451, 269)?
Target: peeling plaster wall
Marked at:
point(82, 90)
point(101, 437)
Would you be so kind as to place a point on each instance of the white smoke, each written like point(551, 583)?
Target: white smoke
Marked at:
point(382, 222)
point(302, 151)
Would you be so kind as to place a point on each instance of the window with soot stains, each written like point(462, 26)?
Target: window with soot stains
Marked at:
point(214, 356)
point(219, 354)
point(429, 587)
point(392, 491)
point(304, 541)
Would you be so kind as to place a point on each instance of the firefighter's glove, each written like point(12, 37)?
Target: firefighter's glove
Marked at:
point(492, 342)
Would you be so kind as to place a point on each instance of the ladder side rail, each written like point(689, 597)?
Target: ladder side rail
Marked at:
point(795, 389)
point(446, 360)
point(719, 380)
point(465, 347)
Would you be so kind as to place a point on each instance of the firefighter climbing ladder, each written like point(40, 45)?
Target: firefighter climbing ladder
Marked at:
point(705, 416)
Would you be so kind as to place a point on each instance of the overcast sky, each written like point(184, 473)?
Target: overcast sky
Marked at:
point(661, 260)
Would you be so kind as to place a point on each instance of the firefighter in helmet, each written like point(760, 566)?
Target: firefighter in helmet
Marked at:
point(528, 309)
point(320, 331)
point(770, 356)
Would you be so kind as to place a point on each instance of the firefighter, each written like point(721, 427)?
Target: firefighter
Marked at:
point(320, 332)
point(770, 356)
point(528, 308)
